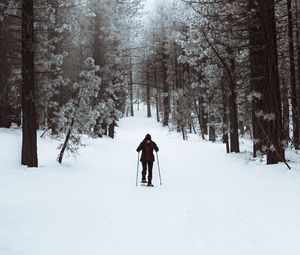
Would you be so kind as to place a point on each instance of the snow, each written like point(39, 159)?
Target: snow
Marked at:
point(211, 203)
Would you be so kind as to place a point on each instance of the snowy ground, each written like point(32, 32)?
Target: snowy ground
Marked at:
point(210, 203)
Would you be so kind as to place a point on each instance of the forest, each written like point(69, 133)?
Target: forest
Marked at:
point(221, 69)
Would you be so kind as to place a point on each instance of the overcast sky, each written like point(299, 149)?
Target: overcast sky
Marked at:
point(149, 4)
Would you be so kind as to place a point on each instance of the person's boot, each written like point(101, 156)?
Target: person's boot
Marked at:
point(150, 184)
point(143, 180)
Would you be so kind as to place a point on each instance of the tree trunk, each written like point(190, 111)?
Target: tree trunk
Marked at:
point(148, 96)
point(4, 121)
point(64, 147)
point(4, 74)
point(298, 53)
point(183, 132)
point(104, 128)
point(285, 112)
point(211, 125)
point(53, 33)
point(111, 130)
point(225, 124)
point(131, 88)
point(295, 116)
point(166, 96)
point(156, 96)
point(177, 102)
point(29, 142)
point(203, 115)
point(242, 128)
point(212, 133)
point(97, 128)
point(257, 80)
point(272, 100)
point(197, 110)
point(234, 133)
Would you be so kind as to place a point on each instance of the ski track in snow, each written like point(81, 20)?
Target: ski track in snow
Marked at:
point(211, 203)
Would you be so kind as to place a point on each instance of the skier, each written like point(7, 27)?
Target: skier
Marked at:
point(147, 146)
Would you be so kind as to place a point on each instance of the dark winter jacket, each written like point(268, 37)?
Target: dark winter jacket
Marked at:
point(143, 147)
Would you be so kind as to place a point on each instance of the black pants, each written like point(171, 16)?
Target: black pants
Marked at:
point(149, 165)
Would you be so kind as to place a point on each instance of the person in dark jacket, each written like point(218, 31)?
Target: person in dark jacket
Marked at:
point(147, 146)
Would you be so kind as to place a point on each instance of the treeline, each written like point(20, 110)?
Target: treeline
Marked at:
point(223, 69)
point(64, 69)
point(227, 69)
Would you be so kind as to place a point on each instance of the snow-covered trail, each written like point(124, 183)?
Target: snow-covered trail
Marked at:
point(210, 203)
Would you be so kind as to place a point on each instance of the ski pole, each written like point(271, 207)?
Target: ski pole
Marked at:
point(137, 170)
point(158, 169)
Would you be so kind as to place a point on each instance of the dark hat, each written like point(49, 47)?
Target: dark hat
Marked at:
point(148, 137)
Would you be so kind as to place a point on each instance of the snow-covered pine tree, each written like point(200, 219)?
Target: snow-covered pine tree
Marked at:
point(54, 25)
point(78, 115)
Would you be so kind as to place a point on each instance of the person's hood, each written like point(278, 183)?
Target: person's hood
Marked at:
point(148, 137)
